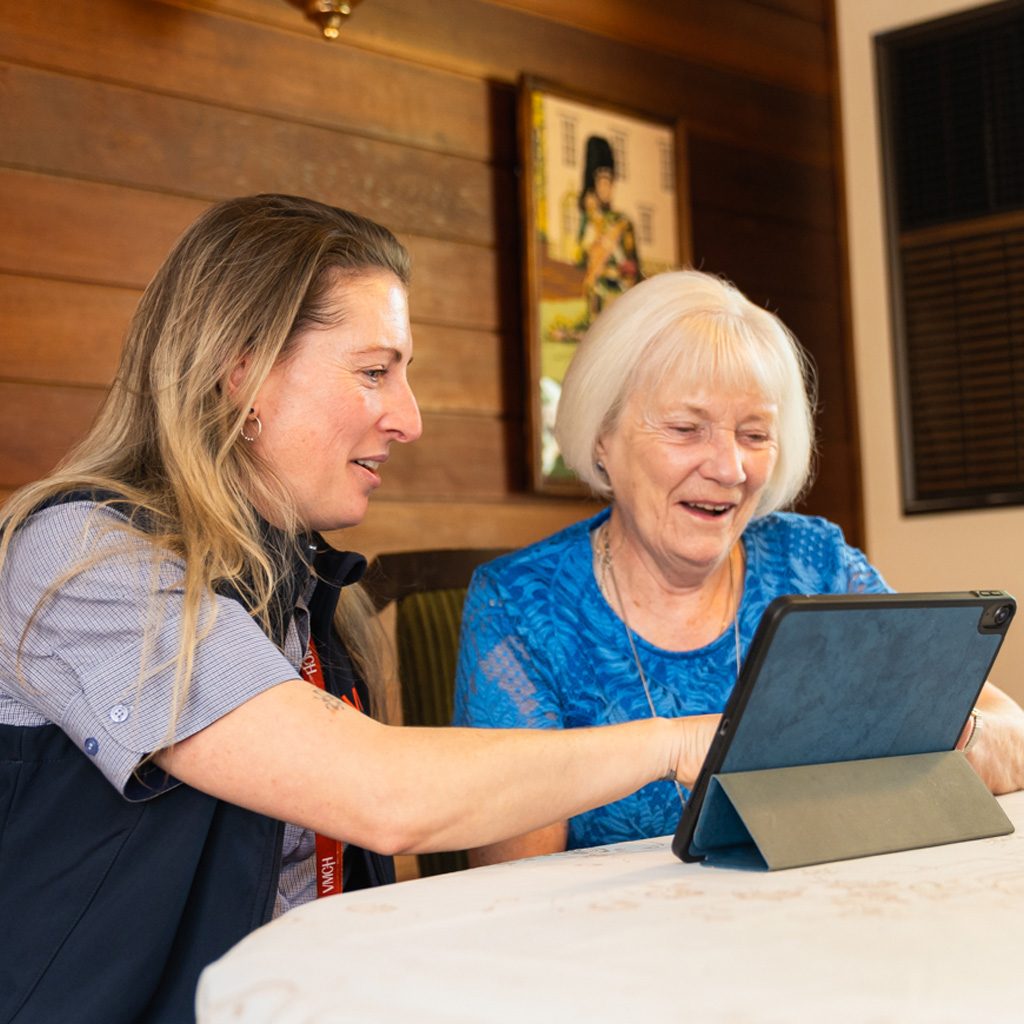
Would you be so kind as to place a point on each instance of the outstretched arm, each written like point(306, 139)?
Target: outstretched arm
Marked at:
point(300, 755)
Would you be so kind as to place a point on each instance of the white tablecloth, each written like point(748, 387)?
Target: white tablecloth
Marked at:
point(624, 932)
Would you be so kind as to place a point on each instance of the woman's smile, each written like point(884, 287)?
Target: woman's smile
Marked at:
point(688, 474)
point(708, 510)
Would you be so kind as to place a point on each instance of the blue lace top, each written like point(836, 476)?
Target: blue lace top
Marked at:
point(542, 648)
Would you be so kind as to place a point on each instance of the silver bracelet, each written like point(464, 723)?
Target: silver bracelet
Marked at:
point(976, 719)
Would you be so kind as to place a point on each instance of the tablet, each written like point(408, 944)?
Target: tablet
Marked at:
point(850, 677)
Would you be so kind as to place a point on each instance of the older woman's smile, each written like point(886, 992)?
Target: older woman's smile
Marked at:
point(707, 508)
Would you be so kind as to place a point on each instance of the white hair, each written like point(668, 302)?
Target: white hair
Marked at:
point(702, 332)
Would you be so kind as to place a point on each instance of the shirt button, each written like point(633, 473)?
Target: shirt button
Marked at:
point(91, 746)
point(119, 713)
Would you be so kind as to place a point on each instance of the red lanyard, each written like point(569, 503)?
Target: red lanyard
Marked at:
point(328, 851)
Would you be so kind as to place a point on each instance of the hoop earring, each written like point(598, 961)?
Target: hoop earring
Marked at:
point(259, 429)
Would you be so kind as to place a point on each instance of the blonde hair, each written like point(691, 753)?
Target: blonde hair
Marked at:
point(242, 282)
point(701, 331)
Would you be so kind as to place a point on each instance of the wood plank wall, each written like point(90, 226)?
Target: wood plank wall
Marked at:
point(123, 119)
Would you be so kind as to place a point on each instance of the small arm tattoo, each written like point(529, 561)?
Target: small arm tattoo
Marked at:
point(328, 700)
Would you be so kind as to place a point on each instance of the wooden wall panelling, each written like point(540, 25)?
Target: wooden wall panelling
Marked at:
point(732, 176)
point(765, 42)
point(135, 116)
point(69, 333)
point(184, 51)
point(38, 424)
point(459, 457)
point(811, 10)
point(817, 11)
point(454, 284)
point(487, 41)
point(779, 41)
point(406, 526)
point(456, 369)
point(81, 128)
point(84, 231)
point(60, 331)
point(765, 257)
point(245, 66)
point(681, 14)
point(817, 324)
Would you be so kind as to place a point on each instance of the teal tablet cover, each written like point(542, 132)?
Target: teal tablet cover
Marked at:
point(842, 679)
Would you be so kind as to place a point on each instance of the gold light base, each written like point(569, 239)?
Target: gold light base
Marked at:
point(327, 15)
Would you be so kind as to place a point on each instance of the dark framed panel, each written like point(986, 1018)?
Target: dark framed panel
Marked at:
point(605, 204)
point(951, 96)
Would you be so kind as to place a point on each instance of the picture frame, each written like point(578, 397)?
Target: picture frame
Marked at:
point(590, 231)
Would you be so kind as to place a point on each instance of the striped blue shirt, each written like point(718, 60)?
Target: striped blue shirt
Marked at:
point(100, 655)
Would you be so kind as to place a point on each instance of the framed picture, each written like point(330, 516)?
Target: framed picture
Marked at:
point(605, 205)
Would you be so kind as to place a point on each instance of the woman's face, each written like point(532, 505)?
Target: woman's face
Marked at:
point(687, 469)
point(332, 408)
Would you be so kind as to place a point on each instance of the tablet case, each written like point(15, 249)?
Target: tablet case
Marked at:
point(837, 740)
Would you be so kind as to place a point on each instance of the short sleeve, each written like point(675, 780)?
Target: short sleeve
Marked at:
point(502, 679)
point(99, 656)
point(798, 554)
point(860, 575)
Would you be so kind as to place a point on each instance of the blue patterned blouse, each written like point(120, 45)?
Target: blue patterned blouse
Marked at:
point(542, 648)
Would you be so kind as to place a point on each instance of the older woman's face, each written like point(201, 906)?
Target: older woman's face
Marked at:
point(331, 410)
point(687, 470)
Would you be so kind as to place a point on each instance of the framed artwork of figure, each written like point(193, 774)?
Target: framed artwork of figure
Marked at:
point(605, 205)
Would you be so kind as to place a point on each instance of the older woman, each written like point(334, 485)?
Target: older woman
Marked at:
point(182, 749)
point(688, 408)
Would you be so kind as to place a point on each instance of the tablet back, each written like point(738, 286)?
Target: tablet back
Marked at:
point(851, 677)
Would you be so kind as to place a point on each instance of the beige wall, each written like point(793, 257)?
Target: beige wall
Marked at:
point(953, 550)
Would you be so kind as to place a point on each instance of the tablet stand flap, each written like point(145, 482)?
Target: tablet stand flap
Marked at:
point(815, 813)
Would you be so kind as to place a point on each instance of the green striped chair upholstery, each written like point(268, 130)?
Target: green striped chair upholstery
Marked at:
point(428, 588)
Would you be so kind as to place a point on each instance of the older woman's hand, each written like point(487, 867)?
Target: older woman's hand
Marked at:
point(998, 754)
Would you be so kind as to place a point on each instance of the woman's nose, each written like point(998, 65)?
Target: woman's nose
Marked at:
point(404, 418)
point(725, 457)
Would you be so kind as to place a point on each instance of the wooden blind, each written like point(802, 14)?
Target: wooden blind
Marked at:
point(952, 96)
point(964, 355)
point(958, 98)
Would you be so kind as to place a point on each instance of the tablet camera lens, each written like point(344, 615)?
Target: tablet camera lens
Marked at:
point(1002, 613)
